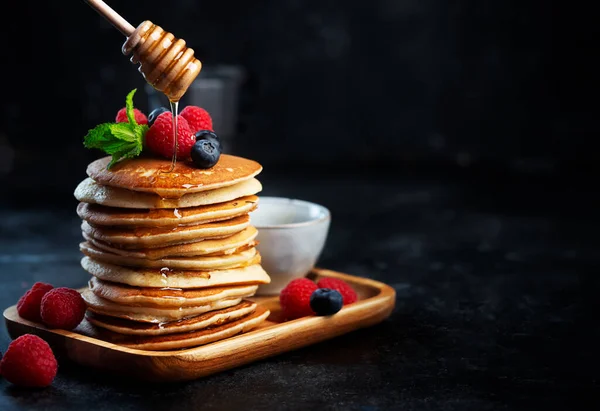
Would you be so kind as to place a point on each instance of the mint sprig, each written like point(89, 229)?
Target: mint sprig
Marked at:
point(129, 106)
point(120, 140)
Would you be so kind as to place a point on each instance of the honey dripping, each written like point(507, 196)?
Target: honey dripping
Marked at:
point(174, 112)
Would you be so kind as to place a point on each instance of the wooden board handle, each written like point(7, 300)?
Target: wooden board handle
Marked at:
point(112, 16)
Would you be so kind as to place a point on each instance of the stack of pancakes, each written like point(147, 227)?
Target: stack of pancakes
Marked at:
point(172, 255)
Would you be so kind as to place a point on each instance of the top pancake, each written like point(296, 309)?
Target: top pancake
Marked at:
point(148, 175)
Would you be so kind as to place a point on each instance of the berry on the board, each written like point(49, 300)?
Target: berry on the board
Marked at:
point(155, 113)
point(29, 304)
point(159, 137)
point(205, 153)
point(198, 118)
point(63, 308)
point(140, 117)
point(343, 287)
point(209, 135)
point(325, 301)
point(29, 362)
point(295, 298)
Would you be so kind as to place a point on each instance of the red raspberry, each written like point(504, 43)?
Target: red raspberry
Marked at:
point(159, 137)
point(198, 118)
point(63, 308)
point(348, 293)
point(29, 362)
point(295, 298)
point(140, 117)
point(29, 304)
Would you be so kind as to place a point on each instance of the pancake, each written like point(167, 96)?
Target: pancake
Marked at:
point(147, 277)
point(209, 319)
point(180, 340)
point(167, 297)
point(100, 215)
point(151, 314)
point(241, 259)
point(88, 191)
point(148, 175)
point(149, 237)
point(220, 246)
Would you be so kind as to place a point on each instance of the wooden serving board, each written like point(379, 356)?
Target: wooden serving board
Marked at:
point(274, 336)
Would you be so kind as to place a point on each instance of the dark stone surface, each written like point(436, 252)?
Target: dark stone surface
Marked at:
point(496, 308)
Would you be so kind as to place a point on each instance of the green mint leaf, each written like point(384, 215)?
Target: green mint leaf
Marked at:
point(129, 107)
point(140, 133)
point(98, 136)
point(120, 140)
point(124, 131)
point(126, 150)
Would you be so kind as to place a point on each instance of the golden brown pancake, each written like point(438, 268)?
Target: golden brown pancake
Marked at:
point(180, 340)
point(209, 319)
point(147, 174)
point(149, 237)
point(241, 259)
point(101, 215)
point(221, 246)
point(152, 277)
point(88, 191)
point(151, 314)
point(167, 297)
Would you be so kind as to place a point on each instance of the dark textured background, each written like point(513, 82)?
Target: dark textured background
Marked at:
point(453, 142)
point(401, 84)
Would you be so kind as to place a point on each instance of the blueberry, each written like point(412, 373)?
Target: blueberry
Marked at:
point(325, 301)
point(205, 153)
point(210, 135)
point(155, 113)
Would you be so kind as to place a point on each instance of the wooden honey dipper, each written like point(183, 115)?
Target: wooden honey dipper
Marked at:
point(165, 62)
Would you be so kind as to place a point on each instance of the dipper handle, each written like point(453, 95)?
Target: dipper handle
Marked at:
point(112, 16)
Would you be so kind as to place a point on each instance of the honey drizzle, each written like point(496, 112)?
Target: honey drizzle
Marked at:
point(174, 112)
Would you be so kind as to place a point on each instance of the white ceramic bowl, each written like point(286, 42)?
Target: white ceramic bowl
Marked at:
point(292, 234)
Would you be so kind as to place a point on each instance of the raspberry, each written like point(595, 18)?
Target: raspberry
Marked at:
point(140, 117)
point(63, 308)
point(29, 304)
point(343, 287)
point(197, 118)
point(29, 362)
point(159, 137)
point(295, 298)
